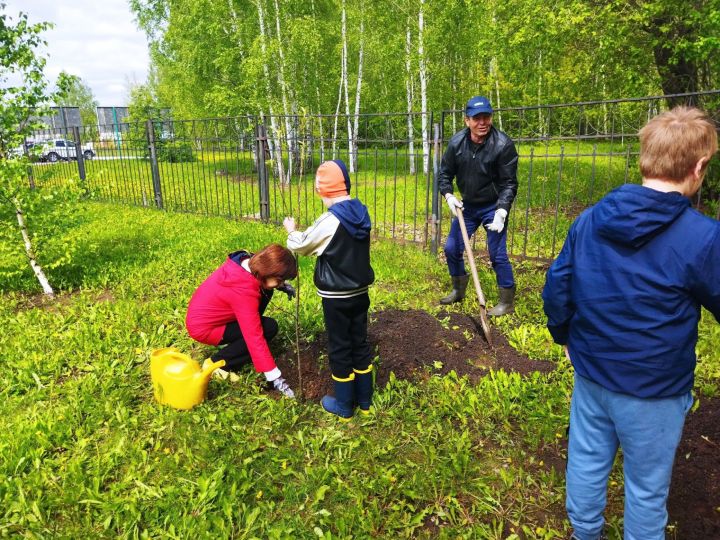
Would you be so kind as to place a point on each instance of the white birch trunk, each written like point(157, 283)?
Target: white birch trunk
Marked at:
point(495, 74)
point(320, 126)
point(539, 95)
point(236, 35)
point(423, 91)
point(37, 269)
point(289, 131)
point(319, 103)
point(345, 87)
point(358, 88)
point(337, 110)
point(343, 83)
point(409, 97)
point(605, 107)
point(233, 25)
point(273, 141)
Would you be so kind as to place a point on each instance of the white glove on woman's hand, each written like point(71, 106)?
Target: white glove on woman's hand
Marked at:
point(498, 223)
point(283, 387)
point(453, 203)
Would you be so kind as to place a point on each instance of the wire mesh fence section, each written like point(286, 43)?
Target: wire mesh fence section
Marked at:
point(263, 167)
point(385, 156)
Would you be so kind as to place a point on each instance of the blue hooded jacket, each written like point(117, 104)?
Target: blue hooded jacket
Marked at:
point(625, 292)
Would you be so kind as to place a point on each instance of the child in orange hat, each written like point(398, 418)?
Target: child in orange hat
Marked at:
point(340, 238)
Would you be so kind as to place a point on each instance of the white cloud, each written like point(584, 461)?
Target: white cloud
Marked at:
point(96, 40)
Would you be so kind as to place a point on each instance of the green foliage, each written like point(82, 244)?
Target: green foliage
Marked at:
point(19, 43)
point(175, 152)
point(91, 454)
point(50, 213)
point(78, 94)
point(708, 364)
point(19, 59)
point(213, 59)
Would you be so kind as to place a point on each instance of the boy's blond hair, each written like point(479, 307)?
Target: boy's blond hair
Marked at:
point(672, 143)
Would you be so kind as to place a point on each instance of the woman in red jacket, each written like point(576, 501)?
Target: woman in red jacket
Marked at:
point(227, 309)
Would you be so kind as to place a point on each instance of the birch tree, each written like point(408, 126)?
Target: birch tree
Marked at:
point(23, 92)
point(423, 89)
point(289, 130)
point(233, 56)
point(274, 141)
point(409, 91)
point(358, 89)
point(346, 94)
point(343, 78)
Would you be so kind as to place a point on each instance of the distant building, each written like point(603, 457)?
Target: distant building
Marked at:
point(58, 122)
point(112, 122)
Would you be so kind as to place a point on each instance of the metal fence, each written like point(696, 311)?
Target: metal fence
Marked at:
point(262, 167)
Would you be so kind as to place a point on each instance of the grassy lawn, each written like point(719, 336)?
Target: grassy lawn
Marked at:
point(86, 452)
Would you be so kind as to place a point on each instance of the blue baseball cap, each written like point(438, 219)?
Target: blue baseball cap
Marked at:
point(478, 105)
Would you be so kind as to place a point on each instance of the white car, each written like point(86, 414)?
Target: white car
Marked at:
point(55, 150)
point(20, 151)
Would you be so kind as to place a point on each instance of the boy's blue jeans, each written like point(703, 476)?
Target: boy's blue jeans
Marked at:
point(648, 431)
point(475, 216)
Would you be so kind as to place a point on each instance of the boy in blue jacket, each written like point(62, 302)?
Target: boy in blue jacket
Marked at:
point(624, 297)
point(340, 238)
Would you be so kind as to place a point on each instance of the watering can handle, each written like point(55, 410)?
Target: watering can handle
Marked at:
point(212, 366)
point(169, 352)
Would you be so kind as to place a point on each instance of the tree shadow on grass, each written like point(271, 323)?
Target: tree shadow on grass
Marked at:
point(104, 263)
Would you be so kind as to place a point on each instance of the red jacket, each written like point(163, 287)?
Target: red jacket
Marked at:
point(230, 293)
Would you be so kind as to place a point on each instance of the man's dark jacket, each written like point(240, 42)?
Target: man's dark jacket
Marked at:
point(485, 173)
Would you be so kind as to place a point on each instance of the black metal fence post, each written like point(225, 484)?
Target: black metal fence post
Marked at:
point(435, 236)
point(79, 153)
point(263, 182)
point(154, 168)
point(31, 177)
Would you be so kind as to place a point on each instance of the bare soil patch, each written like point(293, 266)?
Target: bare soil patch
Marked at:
point(414, 345)
point(694, 502)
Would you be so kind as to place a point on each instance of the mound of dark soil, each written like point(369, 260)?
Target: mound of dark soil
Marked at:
point(414, 345)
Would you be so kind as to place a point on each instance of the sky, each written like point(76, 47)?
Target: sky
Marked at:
point(97, 40)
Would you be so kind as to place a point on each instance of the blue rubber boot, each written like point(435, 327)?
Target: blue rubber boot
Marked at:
point(364, 389)
point(342, 404)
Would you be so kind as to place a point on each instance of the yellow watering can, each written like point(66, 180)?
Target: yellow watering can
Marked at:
point(177, 379)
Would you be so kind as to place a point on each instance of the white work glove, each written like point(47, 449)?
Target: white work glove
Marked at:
point(289, 224)
point(283, 387)
point(453, 203)
point(498, 223)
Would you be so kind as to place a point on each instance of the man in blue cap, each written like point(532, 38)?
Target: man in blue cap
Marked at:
point(483, 161)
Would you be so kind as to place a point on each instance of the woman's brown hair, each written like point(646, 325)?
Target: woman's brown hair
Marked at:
point(273, 261)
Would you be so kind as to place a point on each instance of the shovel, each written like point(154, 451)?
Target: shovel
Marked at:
point(476, 281)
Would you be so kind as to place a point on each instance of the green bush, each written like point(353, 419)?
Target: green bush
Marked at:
point(175, 152)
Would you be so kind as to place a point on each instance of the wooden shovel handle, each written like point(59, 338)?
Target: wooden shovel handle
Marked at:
point(481, 297)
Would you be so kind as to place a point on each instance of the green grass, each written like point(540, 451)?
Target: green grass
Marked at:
point(86, 451)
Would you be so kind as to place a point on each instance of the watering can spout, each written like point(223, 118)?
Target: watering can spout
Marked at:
point(209, 367)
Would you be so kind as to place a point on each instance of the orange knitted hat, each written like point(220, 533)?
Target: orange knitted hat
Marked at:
point(332, 179)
